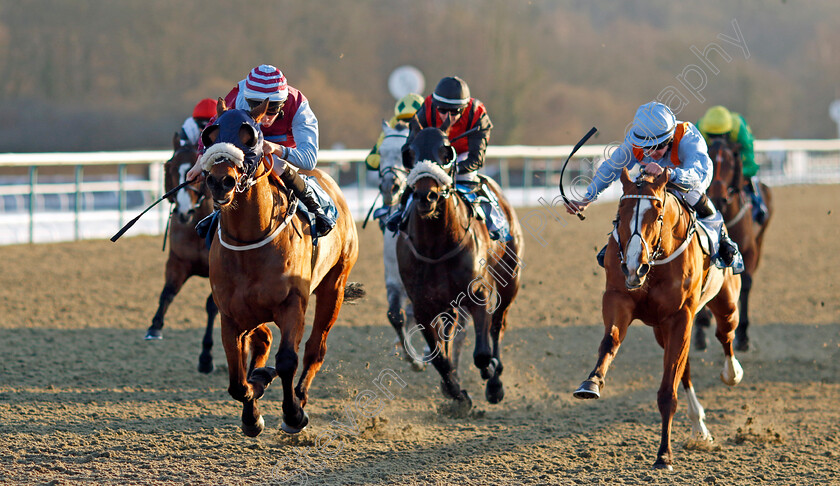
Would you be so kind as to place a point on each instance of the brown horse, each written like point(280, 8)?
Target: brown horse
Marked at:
point(657, 273)
point(264, 265)
point(451, 268)
point(188, 254)
point(727, 193)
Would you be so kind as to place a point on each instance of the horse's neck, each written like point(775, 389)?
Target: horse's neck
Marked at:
point(253, 212)
point(678, 219)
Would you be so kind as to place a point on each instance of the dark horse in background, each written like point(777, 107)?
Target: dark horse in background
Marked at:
point(658, 274)
point(188, 255)
point(451, 268)
point(264, 266)
point(727, 193)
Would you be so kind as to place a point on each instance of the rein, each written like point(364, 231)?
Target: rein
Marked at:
point(444, 257)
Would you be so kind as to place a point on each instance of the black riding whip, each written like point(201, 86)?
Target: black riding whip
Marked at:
point(131, 223)
point(562, 193)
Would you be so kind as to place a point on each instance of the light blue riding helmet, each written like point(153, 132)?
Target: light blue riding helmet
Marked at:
point(653, 124)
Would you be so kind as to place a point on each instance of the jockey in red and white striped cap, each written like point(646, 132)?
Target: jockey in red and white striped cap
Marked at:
point(290, 130)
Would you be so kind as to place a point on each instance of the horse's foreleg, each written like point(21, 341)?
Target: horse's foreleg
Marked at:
point(234, 342)
point(675, 334)
point(398, 317)
point(701, 323)
point(259, 345)
point(290, 321)
point(725, 308)
point(205, 359)
point(617, 312)
point(176, 275)
point(429, 324)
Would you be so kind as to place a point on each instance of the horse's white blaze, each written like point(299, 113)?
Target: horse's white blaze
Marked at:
point(636, 245)
point(697, 416)
point(183, 196)
point(732, 371)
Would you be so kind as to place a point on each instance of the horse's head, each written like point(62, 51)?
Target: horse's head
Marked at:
point(431, 178)
point(726, 173)
point(190, 197)
point(234, 149)
point(641, 212)
point(392, 174)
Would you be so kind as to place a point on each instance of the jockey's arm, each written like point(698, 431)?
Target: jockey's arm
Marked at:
point(477, 143)
point(695, 168)
point(305, 131)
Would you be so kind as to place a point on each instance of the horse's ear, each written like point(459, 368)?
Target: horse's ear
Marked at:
point(444, 127)
point(258, 112)
point(625, 178)
point(662, 178)
point(209, 135)
point(221, 107)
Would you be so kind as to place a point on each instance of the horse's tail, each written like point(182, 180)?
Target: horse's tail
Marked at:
point(354, 291)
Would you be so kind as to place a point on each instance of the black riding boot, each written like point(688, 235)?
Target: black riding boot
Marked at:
point(759, 208)
point(323, 222)
point(727, 249)
point(398, 220)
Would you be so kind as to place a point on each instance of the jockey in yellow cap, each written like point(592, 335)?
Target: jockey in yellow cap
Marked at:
point(720, 122)
point(405, 108)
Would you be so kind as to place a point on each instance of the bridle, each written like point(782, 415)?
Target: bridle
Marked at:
point(652, 256)
point(244, 182)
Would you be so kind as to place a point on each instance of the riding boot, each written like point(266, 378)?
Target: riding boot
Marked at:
point(759, 212)
point(601, 255)
point(323, 222)
point(204, 226)
point(728, 252)
point(398, 219)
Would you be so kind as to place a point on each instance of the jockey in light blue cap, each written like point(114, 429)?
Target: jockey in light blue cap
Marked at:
point(657, 141)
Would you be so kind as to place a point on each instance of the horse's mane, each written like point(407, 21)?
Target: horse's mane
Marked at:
point(427, 168)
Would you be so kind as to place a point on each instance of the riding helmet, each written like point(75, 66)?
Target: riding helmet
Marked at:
point(653, 124)
point(717, 120)
point(451, 93)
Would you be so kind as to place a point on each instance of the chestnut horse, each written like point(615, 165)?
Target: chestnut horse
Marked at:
point(658, 273)
point(264, 266)
point(187, 251)
point(392, 177)
point(727, 193)
point(451, 268)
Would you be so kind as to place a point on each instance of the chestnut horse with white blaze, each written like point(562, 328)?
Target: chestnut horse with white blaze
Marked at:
point(727, 193)
point(188, 255)
point(264, 265)
point(658, 273)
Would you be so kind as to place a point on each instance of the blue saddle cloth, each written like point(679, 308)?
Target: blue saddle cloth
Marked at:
point(484, 201)
point(324, 200)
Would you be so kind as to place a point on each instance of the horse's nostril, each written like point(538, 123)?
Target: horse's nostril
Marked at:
point(228, 182)
point(643, 270)
point(432, 196)
point(624, 270)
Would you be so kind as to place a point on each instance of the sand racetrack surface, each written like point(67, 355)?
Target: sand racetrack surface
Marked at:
point(84, 399)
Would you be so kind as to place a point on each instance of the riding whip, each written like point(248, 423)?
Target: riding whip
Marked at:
point(131, 223)
point(575, 149)
point(370, 210)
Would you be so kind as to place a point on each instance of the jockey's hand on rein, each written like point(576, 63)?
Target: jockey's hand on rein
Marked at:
point(653, 169)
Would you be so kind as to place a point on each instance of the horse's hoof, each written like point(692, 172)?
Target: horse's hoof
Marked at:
point(660, 464)
point(153, 334)
point(205, 364)
point(294, 430)
point(732, 372)
point(418, 366)
point(490, 370)
point(495, 391)
point(464, 401)
point(588, 389)
point(254, 430)
point(263, 375)
point(742, 343)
